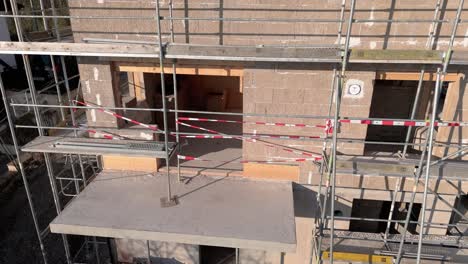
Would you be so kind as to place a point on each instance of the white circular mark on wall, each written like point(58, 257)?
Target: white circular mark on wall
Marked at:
point(354, 89)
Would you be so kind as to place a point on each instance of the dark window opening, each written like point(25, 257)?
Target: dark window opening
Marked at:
point(376, 209)
point(201, 93)
point(393, 100)
point(338, 213)
point(217, 255)
point(205, 92)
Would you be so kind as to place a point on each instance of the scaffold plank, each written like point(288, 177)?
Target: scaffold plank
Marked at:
point(325, 54)
point(254, 53)
point(95, 146)
point(396, 56)
point(449, 170)
point(79, 49)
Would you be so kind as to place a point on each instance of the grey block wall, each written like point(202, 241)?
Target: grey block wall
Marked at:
point(99, 86)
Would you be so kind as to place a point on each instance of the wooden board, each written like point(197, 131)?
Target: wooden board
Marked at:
point(272, 171)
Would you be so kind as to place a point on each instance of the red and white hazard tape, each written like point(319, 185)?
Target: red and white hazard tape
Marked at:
point(152, 127)
point(104, 135)
point(252, 136)
point(249, 122)
point(290, 150)
point(351, 121)
point(182, 157)
point(402, 123)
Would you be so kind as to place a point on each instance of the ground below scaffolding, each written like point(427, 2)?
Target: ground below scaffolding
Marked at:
point(18, 243)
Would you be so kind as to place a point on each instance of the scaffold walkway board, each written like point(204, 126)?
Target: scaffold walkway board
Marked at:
point(80, 49)
point(448, 169)
point(445, 240)
point(254, 53)
point(219, 212)
point(309, 54)
point(95, 146)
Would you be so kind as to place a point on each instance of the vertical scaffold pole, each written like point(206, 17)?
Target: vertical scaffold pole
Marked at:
point(174, 81)
point(32, 89)
point(429, 44)
point(169, 200)
point(319, 219)
point(335, 129)
point(441, 76)
point(21, 169)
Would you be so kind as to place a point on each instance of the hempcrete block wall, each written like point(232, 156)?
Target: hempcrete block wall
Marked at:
point(369, 35)
point(277, 90)
point(455, 108)
point(98, 84)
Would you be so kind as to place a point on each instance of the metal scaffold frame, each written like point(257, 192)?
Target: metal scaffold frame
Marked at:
point(326, 219)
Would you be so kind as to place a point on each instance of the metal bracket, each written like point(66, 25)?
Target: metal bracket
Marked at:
point(173, 201)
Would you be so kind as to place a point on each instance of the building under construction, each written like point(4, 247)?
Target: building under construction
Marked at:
point(222, 131)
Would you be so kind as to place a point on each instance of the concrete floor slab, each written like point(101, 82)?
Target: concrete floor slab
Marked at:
point(227, 212)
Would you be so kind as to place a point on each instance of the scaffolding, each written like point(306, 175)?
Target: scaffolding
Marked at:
point(82, 154)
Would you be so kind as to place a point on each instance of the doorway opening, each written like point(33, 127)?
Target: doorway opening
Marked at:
point(377, 209)
point(391, 99)
point(217, 255)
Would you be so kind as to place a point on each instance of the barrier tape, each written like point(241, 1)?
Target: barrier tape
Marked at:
point(351, 121)
point(290, 150)
point(182, 157)
point(104, 135)
point(249, 122)
point(402, 123)
point(252, 136)
point(152, 127)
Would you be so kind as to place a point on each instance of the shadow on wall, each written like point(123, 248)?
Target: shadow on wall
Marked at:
point(222, 31)
point(136, 251)
point(305, 203)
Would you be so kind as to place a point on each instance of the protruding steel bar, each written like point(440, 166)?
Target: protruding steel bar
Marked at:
point(335, 124)
point(21, 170)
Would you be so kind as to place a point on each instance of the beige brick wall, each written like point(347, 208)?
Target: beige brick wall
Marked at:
point(299, 92)
point(369, 35)
point(97, 82)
